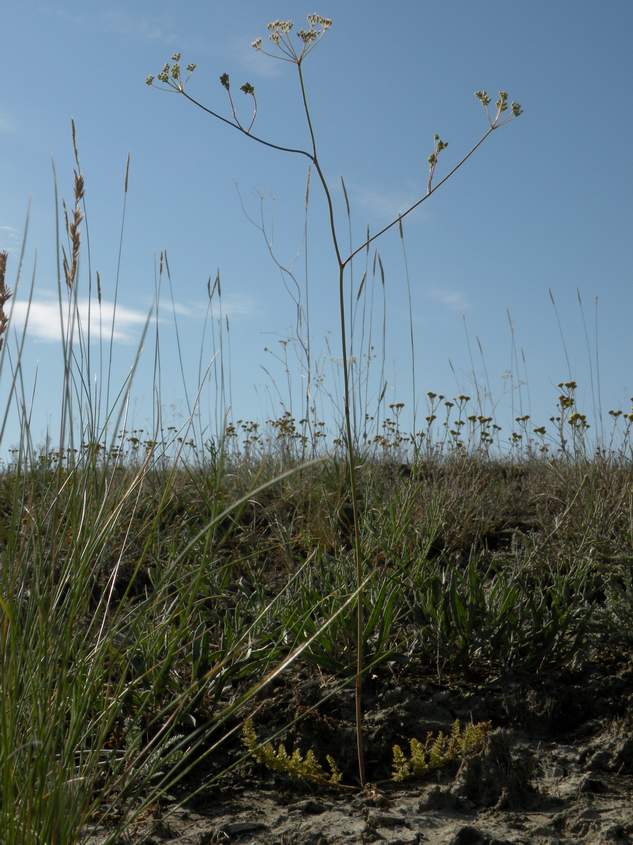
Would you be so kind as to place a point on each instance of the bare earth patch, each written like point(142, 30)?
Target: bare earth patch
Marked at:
point(559, 770)
point(567, 806)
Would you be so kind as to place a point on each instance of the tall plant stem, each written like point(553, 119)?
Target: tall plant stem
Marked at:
point(342, 263)
point(349, 442)
point(358, 560)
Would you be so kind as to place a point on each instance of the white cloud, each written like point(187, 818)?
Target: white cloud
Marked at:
point(181, 310)
point(142, 27)
point(452, 299)
point(235, 306)
point(8, 236)
point(64, 14)
point(44, 319)
point(121, 22)
point(7, 124)
point(232, 306)
point(384, 205)
point(252, 61)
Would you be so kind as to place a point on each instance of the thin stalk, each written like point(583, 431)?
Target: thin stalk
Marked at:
point(414, 397)
point(242, 130)
point(480, 405)
point(117, 279)
point(422, 199)
point(590, 361)
point(308, 347)
point(351, 463)
point(290, 55)
point(598, 389)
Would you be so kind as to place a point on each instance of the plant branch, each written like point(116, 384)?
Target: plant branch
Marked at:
point(386, 228)
point(317, 166)
point(244, 131)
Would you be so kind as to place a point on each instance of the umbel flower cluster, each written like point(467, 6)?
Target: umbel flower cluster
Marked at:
point(501, 105)
point(279, 34)
point(171, 75)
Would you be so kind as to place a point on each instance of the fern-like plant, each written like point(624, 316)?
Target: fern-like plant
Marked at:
point(440, 750)
point(295, 765)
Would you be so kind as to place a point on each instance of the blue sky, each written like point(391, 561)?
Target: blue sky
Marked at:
point(545, 204)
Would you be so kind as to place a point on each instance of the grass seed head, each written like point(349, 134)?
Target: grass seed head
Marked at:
point(5, 296)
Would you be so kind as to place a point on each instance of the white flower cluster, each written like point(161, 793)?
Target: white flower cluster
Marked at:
point(279, 30)
point(279, 26)
point(319, 20)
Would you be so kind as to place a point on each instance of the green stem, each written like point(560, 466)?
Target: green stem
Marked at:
point(349, 439)
point(400, 217)
point(350, 450)
point(241, 128)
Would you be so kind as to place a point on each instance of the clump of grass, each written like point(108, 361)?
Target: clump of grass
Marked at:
point(294, 765)
point(439, 750)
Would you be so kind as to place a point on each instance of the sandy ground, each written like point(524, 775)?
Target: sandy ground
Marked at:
point(556, 768)
point(515, 792)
